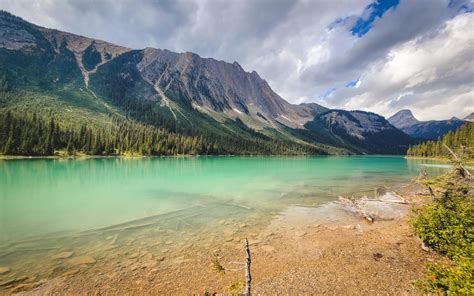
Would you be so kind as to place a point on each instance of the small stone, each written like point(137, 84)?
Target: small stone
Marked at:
point(377, 256)
point(160, 258)
point(4, 269)
point(70, 272)
point(268, 234)
point(229, 232)
point(133, 256)
point(109, 247)
point(180, 259)
point(13, 281)
point(300, 233)
point(63, 255)
point(268, 248)
point(25, 287)
point(255, 242)
point(81, 260)
point(149, 256)
point(243, 225)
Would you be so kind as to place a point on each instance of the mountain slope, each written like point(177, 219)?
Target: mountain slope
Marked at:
point(364, 132)
point(83, 80)
point(427, 130)
point(469, 117)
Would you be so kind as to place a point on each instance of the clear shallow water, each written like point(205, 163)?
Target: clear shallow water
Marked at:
point(49, 197)
point(164, 214)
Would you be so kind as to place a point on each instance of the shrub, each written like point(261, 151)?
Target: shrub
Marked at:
point(447, 226)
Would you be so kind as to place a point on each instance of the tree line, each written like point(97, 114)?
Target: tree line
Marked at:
point(35, 135)
point(31, 134)
point(461, 139)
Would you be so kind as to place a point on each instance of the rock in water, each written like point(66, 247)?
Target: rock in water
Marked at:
point(81, 260)
point(63, 255)
point(4, 269)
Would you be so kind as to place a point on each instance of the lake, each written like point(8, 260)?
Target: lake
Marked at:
point(112, 206)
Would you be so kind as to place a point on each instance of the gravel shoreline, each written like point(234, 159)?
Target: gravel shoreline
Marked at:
point(326, 250)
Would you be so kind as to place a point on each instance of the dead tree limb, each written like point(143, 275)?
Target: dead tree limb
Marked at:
point(464, 171)
point(248, 277)
point(354, 204)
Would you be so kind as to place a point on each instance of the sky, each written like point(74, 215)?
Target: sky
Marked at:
point(379, 56)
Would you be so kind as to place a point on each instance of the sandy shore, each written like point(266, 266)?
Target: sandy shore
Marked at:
point(325, 250)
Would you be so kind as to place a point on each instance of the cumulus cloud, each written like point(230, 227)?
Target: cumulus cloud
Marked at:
point(412, 54)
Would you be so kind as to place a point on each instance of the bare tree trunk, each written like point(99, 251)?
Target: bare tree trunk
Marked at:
point(464, 172)
point(248, 277)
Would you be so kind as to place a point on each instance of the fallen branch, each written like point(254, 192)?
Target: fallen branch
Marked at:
point(388, 200)
point(248, 277)
point(354, 204)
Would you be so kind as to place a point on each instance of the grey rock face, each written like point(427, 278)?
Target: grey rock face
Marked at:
point(210, 85)
point(12, 35)
point(356, 123)
point(403, 118)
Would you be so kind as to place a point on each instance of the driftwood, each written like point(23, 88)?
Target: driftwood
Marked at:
point(354, 204)
point(400, 197)
point(403, 202)
point(464, 171)
point(248, 277)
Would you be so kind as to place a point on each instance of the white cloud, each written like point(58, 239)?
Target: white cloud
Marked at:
point(432, 75)
point(419, 48)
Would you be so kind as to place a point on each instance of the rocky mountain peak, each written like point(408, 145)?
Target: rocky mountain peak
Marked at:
point(402, 119)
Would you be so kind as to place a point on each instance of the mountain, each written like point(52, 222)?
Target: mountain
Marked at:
point(82, 80)
point(364, 131)
point(403, 118)
point(470, 117)
point(427, 130)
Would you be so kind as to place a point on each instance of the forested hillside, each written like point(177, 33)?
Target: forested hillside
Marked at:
point(462, 140)
point(36, 135)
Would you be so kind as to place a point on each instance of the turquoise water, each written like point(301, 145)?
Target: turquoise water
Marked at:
point(48, 197)
point(158, 213)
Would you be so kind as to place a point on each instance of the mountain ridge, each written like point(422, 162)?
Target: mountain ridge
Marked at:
point(181, 92)
point(427, 130)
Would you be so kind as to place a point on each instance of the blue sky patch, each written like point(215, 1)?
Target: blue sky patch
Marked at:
point(327, 93)
point(371, 12)
point(353, 84)
point(462, 6)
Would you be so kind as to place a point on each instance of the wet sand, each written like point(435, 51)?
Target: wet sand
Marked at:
point(320, 250)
